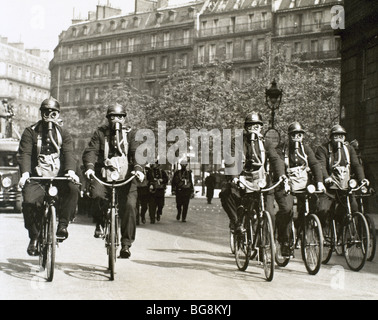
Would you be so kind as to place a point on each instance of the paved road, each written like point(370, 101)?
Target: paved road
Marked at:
point(170, 260)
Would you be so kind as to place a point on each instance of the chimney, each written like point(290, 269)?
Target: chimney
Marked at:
point(145, 5)
point(162, 4)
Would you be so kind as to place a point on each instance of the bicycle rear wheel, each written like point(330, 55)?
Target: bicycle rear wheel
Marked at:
point(373, 238)
point(48, 243)
point(266, 245)
point(329, 241)
point(312, 244)
point(356, 241)
point(279, 258)
point(243, 244)
point(112, 244)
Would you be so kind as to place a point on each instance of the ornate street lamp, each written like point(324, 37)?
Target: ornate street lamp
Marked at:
point(273, 97)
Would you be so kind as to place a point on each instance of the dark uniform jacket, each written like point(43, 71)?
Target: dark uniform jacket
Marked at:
point(93, 156)
point(152, 176)
point(276, 164)
point(296, 161)
point(327, 156)
point(183, 181)
point(28, 148)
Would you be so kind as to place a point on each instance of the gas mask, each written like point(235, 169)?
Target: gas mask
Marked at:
point(52, 116)
point(116, 122)
point(337, 140)
point(296, 139)
point(254, 130)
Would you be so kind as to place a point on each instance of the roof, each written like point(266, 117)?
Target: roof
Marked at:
point(298, 4)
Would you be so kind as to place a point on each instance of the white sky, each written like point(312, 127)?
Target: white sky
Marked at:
point(38, 23)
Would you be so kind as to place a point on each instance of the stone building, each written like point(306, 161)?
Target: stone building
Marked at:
point(359, 81)
point(24, 81)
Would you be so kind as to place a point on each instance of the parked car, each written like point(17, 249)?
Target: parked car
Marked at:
point(10, 193)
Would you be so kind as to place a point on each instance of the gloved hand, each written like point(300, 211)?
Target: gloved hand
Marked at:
point(328, 180)
point(73, 176)
point(235, 180)
point(89, 173)
point(25, 176)
point(320, 186)
point(139, 175)
point(366, 181)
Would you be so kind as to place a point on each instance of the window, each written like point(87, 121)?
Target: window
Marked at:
point(96, 94)
point(78, 72)
point(260, 47)
point(250, 21)
point(87, 94)
point(98, 27)
point(81, 49)
point(113, 25)
point(186, 36)
point(118, 46)
point(85, 30)
point(77, 95)
point(318, 19)
point(151, 64)
point(97, 70)
point(131, 44)
point(229, 50)
point(129, 67)
point(248, 49)
point(116, 68)
point(297, 47)
point(88, 71)
point(184, 60)
point(263, 20)
point(74, 32)
point(166, 38)
point(136, 21)
point(67, 74)
point(201, 54)
point(314, 45)
point(232, 25)
point(153, 41)
point(99, 49)
point(69, 50)
point(66, 96)
point(212, 53)
point(123, 24)
point(108, 46)
point(164, 63)
point(203, 25)
point(215, 26)
point(105, 69)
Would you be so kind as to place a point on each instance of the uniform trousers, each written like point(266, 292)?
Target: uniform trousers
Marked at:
point(33, 195)
point(127, 204)
point(156, 204)
point(182, 202)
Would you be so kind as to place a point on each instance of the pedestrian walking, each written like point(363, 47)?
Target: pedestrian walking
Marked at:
point(210, 186)
point(143, 198)
point(183, 188)
point(157, 180)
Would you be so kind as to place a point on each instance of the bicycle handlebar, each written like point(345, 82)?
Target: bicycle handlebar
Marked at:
point(263, 190)
point(54, 179)
point(115, 185)
point(350, 189)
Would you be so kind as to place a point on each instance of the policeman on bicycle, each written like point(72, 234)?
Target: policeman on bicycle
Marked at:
point(114, 145)
point(339, 161)
point(300, 165)
point(256, 152)
point(46, 150)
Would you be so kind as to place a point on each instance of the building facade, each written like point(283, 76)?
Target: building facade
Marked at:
point(24, 81)
point(359, 82)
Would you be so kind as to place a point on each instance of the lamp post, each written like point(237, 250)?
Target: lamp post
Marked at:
point(273, 97)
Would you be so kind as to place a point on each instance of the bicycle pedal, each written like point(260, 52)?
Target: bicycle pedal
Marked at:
point(60, 240)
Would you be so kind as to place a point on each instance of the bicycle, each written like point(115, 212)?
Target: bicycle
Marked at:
point(365, 192)
point(257, 238)
point(111, 221)
point(354, 238)
point(47, 240)
point(309, 233)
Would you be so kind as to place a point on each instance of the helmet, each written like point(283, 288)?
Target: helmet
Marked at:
point(51, 104)
point(253, 117)
point(337, 129)
point(295, 127)
point(116, 109)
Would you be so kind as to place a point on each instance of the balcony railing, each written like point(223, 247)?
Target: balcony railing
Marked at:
point(136, 48)
point(237, 28)
point(308, 28)
point(318, 55)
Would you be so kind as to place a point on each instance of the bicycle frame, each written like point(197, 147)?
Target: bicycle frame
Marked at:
point(111, 227)
point(47, 239)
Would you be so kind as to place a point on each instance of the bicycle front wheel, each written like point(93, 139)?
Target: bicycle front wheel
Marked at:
point(266, 245)
point(356, 241)
point(373, 239)
point(312, 244)
point(329, 240)
point(243, 243)
point(112, 243)
point(49, 243)
point(232, 241)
